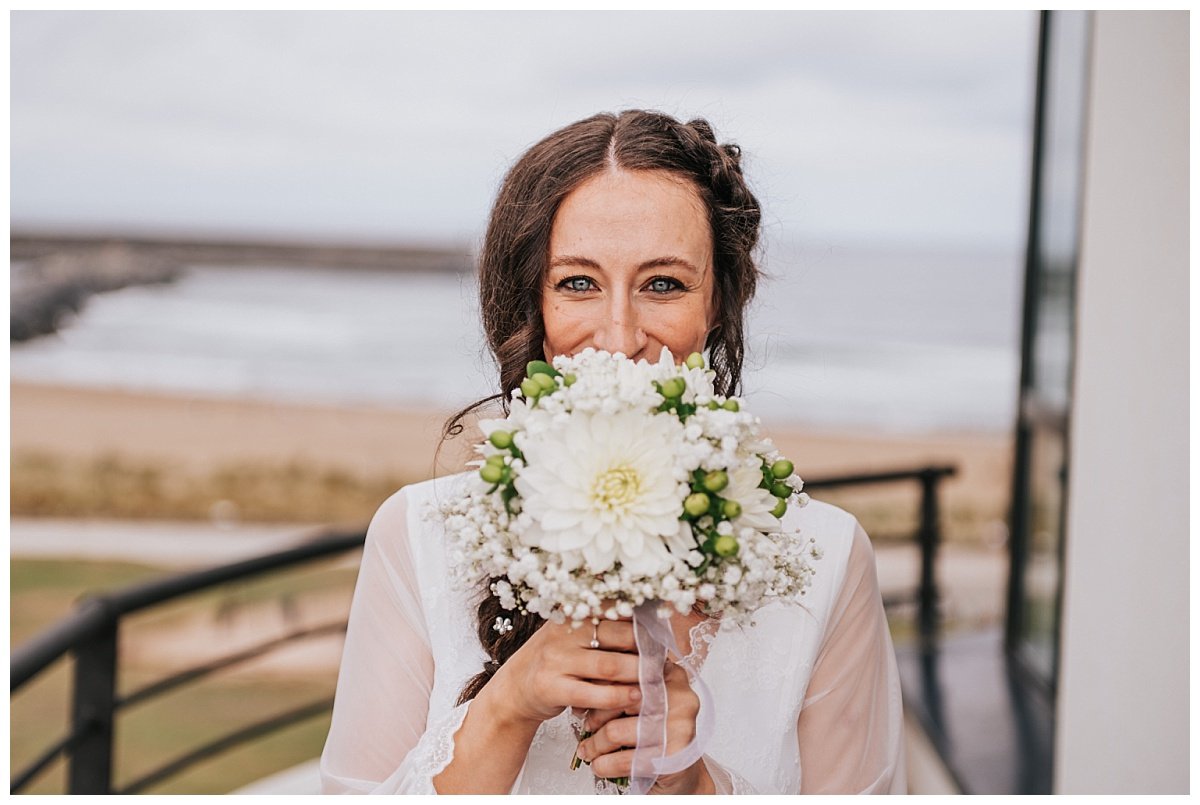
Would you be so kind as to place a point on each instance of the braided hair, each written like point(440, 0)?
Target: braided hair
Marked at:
point(513, 263)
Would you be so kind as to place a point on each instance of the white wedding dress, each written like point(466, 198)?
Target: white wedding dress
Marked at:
point(807, 699)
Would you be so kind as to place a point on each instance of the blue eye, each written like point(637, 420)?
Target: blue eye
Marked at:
point(664, 285)
point(578, 284)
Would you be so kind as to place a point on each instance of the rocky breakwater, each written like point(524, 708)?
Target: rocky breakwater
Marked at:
point(47, 291)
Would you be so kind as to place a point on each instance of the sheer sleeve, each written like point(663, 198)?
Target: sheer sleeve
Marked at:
point(378, 741)
point(851, 723)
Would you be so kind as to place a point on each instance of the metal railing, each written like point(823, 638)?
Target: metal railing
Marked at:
point(90, 636)
point(929, 533)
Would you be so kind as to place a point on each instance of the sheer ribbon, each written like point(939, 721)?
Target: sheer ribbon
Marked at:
point(650, 759)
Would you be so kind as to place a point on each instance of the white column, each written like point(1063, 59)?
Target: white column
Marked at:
point(1123, 700)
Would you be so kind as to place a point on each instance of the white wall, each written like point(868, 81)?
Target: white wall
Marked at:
point(1123, 696)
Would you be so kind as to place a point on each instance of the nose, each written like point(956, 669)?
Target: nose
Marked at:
point(620, 329)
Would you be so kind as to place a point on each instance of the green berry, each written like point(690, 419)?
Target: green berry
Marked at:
point(497, 459)
point(530, 388)
point(491, 474)
point(782, 468)
point(780, 508)
point(696, 504)
point(695, 361)
point(569, 380)
point(725, 545)
point(713, 405)
point(716, 480)
point(731, 509)
point(673, 388)
point(781, 490)
point(731, 405)
point(501, 439)
point(545, 381)
point(534, 368)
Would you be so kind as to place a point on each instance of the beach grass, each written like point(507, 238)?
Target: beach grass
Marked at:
point(114, 487)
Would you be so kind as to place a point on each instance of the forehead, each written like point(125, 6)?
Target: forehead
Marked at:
point(634, 213)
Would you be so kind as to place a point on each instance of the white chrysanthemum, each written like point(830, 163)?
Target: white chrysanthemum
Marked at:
point(605, 486)
point(755, 501)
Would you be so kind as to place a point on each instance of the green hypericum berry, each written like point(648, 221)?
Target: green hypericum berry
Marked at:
point(780, 508)
point(545, 381)
point(696, 504)
point(781, 490)
point(731, 405)
point(782, 468)
point(491, 474)
point(497, 459)
point(569, 380)
point(713, 405)
point(694, 361)
point(731, 509)
point(725, 545)
point(716, 480)
point(530, 388)
point(673, 388)
point(501, 439)
point(540, 368)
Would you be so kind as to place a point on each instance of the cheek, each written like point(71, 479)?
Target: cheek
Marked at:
point(684, 329)
point(559, 326)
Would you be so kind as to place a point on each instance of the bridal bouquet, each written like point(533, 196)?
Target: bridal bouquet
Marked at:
point(612, 483)
point(616, 489)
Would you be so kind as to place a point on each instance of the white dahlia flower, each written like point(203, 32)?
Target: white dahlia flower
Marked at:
point(605, 486)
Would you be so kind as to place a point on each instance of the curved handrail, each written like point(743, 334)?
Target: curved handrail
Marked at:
point(936, 472)
point(102, 611)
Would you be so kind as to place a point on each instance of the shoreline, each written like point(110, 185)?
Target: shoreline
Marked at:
point(192, 437)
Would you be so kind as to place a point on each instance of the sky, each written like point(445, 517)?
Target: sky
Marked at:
point(391, 127)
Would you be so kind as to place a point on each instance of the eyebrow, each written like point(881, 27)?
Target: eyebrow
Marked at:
point(657, 262)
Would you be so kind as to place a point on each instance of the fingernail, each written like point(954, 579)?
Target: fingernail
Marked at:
point(636, 694)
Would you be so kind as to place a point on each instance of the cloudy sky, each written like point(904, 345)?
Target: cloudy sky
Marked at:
point(390, 126)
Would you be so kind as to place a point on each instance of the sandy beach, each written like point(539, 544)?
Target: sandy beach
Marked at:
point(192, 437)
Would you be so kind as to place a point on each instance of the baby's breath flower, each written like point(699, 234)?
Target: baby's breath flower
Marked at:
point(587, 518)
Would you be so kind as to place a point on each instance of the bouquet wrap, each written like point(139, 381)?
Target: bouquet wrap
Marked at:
point(650, 759)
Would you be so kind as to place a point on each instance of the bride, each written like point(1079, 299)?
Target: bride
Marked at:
point(627, 233)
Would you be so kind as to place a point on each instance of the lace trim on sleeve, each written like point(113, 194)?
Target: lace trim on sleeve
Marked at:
point(429, 757)
point(700, 640)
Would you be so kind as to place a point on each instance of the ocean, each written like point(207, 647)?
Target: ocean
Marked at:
point(884, 340)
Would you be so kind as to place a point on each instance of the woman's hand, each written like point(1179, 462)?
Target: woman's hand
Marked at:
point(557, 668)
point(610, 748)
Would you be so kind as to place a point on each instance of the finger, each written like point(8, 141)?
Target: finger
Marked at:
point(610, 666)
point(612, 636)
point(596, 719)
point(595, 696)
point(616, 734)
point(614, 764)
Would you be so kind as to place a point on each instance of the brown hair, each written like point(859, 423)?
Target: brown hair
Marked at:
point(513, 263)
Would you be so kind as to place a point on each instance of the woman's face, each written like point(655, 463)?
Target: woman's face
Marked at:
point(631, 268)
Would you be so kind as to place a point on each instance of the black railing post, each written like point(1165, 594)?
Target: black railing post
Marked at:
point(92, 709)
point(929, 537)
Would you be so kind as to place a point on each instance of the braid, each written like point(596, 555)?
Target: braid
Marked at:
point(498, 644)
point(735, 217)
